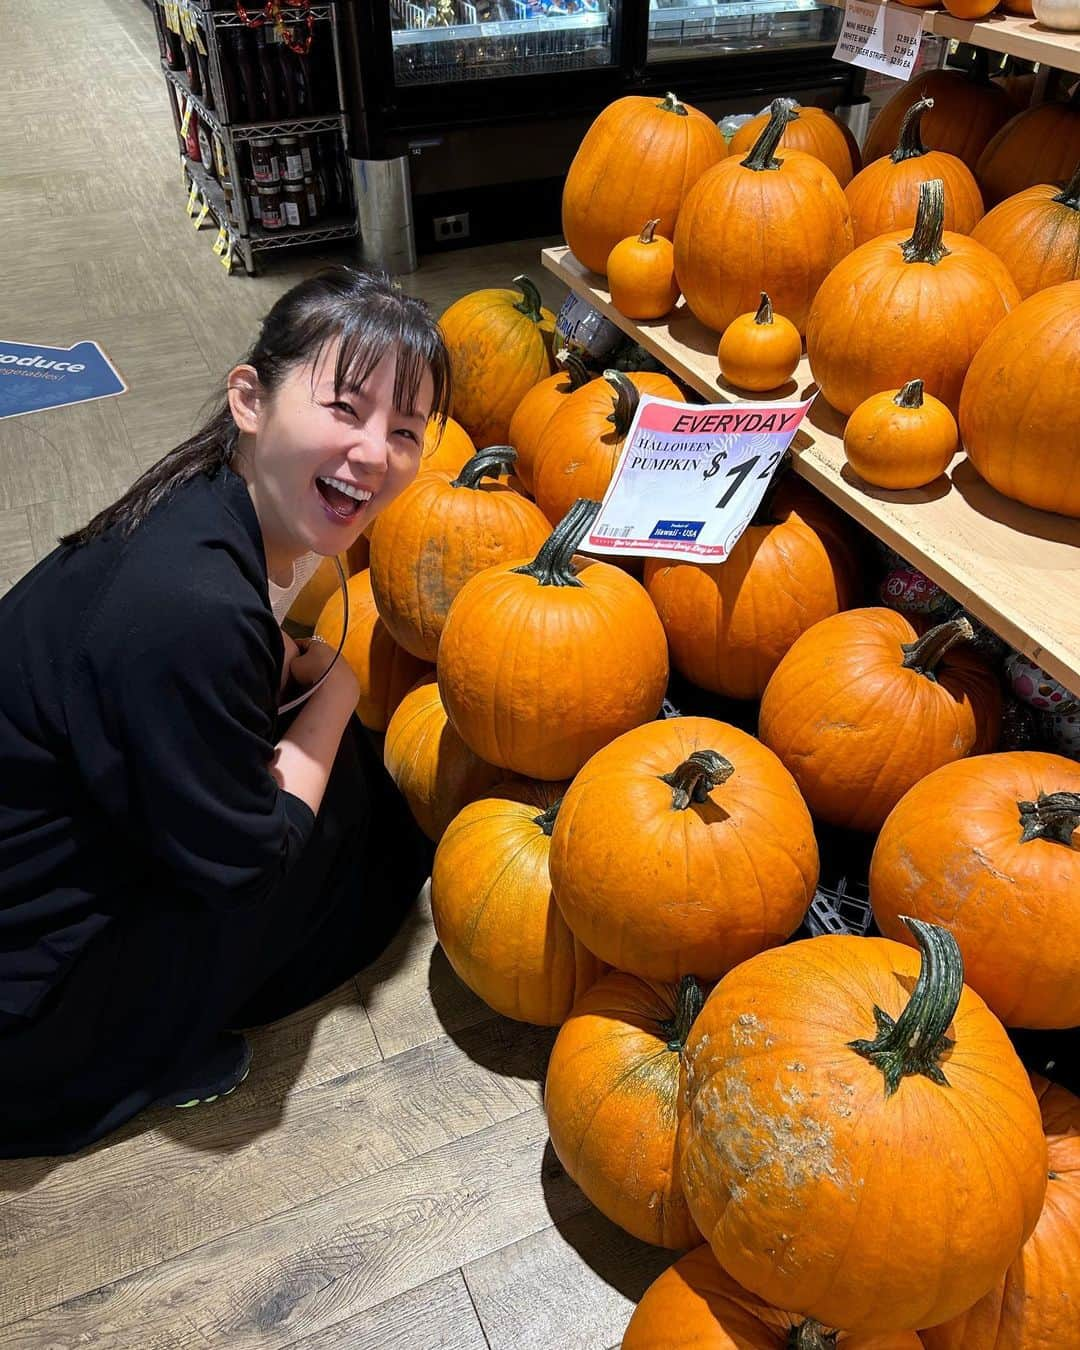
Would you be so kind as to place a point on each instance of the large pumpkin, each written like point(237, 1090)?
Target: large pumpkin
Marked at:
point(580, 446)
point(612, 1101)
point(447, 447)
point(990, 848)
point(885, 196)
point(728, 624)
point(637, 162)
point(538, 407)
point(440, 532)
point(761, 223)
point(1019, 415)
point(1036, 234)
point(683, 847)
point(384, 671)
point(813, 131)
point(494, 912)
point(860, 1140)
point(500, 346)
point(1037, 1305)
point(543, 662)
point(435, 771)
point(696, 1305)
point(902, 307)
point(1040, 145)
point(861, 708)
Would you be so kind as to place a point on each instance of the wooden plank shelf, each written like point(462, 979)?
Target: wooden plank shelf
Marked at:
point(1016, 569)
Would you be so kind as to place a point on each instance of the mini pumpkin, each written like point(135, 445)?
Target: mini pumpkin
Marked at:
point(901, 438)
point(814, 131)
point(641, 274)
point(760, 350)
point(538, 407)
point(1036, 234)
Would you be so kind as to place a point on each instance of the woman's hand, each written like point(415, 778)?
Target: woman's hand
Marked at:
point(315, 658)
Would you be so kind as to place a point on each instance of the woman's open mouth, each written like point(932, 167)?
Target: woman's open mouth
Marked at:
point(343, 501)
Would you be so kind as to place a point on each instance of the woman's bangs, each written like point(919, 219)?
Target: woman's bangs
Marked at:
point(378, 330)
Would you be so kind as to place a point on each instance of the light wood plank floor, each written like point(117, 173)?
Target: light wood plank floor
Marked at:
point(383, 1180)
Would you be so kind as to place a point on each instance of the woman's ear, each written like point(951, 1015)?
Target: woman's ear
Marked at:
point(245, 397)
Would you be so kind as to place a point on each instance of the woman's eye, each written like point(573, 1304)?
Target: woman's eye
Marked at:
point(405, 431)
point(344, 407)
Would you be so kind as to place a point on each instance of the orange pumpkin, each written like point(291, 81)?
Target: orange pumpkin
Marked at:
point(447, 446)
point(637, 162)
point(500, 346)
point(990, 848)
point(694, 1303)
point(968, 9)
point(1018, 87)
point(762, 223)
point(358, 555)
point(538, 407)
point(494, 912)
point(861, 708)
point(885, 196)
point(318, 588)
point(435, 771)
point(759, 350)
point(1038, 1302)
point(893, 307)
point(813, 131)
point(612, 1101)
point(860, 1140)
point(901, 438)
point(581, 444)
point(641, 275)
point(543, 662)
point(440, 532)
point(384, 671)
point(1041, 145)
point(683, 847)
point(1036, 234)
point(1019, 417)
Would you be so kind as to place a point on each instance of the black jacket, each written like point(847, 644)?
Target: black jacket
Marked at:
point(138, 693)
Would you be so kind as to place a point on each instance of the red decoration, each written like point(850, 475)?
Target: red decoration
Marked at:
point(271, 13)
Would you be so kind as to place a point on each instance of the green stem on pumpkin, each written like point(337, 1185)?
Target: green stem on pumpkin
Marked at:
point(689, 1001)
point(764, 310)
point(810, 1335)
point(910, 143)
point(493, 460)
point(925, 243)
point(911, 396)
point(916, 1040)
point(546, 818)
point(926, 652)
point(531, 304)
point(670, 103)
point(575, 368)
point(696, 777)
point(1070, 193)
point(626, 401)
point(554, 564)
point(648, 232)
point(1055, 817)
point(763, 155)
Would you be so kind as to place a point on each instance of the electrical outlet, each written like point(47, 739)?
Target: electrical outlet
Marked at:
point(452, 227)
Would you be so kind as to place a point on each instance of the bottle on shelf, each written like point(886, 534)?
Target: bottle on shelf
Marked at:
point(238, 52)
point(191, 142)
point(169, 47)
point(270, 76)
point(191, 68)
point(288, 80)
point(203, 64)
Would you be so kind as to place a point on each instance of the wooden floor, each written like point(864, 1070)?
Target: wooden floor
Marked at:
point(383, 1179)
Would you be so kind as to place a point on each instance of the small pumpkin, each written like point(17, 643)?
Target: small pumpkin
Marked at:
point(319, 587)
point(901, 438)
point(885, 195)
point(968, 9)
point(500, 346)
point(494, 912)
point(892, 307)
point(838, 1089)
point(435, 771)
point(637, 162)
point(1061, 15)
point(1036, 234)
point(990, 849)
point(641, 274)
point(440, 532)
point(861, 708)
point(538, 407)
point(759, 350)
point(384, 671)
point(815, 132)
point(447, 446)
point(683, 846)
point(1040, 145)
point(612, 1102)
point(768, 222)
point(543, 662)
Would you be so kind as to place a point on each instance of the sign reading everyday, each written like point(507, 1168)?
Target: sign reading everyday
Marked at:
point(691, 477)
point(880, 37)
point(33, 378)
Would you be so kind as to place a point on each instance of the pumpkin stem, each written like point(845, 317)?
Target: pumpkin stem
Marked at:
point(554, 564)
point(764, 310)
point(648, 231)
point(495, 460)
point(626, 401)
point(531, 304)
point(762, 156)
point(1055, 816)
point(910, 143)
point(926, 652)
point(575, 368)
point(688, 1003)
point(696, 777)
point(925, 243)
point(810, 1335)
point(670, 103)
point(916, 1041)
point(911, 396)
point(1070, 193)
point(546, 818)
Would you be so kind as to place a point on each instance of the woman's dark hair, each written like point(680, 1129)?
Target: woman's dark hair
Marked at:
point(370, 315)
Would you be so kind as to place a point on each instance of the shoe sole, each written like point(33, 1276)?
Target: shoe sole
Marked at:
point(205, 1101)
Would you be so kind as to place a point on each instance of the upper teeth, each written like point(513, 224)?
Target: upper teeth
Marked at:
point(349, 489)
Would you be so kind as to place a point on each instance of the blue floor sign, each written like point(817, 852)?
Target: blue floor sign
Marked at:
point(33, 378)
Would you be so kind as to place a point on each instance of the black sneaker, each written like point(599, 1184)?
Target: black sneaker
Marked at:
point(220, 1071)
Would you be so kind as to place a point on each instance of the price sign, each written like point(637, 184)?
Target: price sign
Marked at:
point(172, 16)
point(193, 199)
point(221, 243)
point(200, 219)
point(185, 121)
point(226, 259)
point(690, 478)
point(880, 37)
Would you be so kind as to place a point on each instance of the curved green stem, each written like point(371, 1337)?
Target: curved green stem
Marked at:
point(763, 155)
point(1070, 193)
point(1055, 816)
point(910, 143)
point(925, 243)
point(925, 654)
point(530, 304)
point(688, 1003)
point(546, 818)
point(764, 310)
point(575, 368)
point(670, 103)
point(810, 1335)
point(493, 460)
point(911, 396)
point(554, 564)
point(696, 777)
point(626, 401)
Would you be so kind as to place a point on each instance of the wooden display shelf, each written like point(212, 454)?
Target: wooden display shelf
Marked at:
point(1016, 569)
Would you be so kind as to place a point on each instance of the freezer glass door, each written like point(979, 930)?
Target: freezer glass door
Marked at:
point(682, 30)
point(444, 41)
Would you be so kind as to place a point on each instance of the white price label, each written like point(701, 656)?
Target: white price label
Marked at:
point(880, 37)
point(691, 477)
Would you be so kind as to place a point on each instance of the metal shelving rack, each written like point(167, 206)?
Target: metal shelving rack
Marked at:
point(246, 236)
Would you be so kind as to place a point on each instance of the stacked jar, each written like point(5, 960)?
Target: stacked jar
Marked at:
point(301, 204)
point(265, 200)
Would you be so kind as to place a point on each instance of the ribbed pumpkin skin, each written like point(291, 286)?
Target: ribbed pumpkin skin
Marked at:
point(887, 1221)
point(1037, 238)
point(494, 912)
point(384, 671)
point(951, 853)
point(612, 1099)
point(815, 132)
point(447, 447)
point(1041, 145)
point(636, 163)
point(530, 420)
point(664, 892)
point(1019, 416)
point(966, 114)
point(695, 1305)
point(1037, 1305)
point(885, 196)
